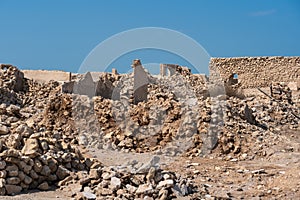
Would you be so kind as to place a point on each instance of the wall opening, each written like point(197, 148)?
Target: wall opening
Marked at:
point(235, 76)
point(233, 79)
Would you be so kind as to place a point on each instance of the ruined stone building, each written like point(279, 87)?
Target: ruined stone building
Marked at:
point(252, 72)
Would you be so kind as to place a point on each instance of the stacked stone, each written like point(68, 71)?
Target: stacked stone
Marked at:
point(257, 71)
point(31, 159)
point(36, 149)
point(11, 77)
point(184, 71)
point(11, 81)
point(281, 92)
point(9, 97)
point(116, 182)
point(41, 131)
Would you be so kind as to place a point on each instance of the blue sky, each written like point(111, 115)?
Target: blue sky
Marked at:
point(59, 34)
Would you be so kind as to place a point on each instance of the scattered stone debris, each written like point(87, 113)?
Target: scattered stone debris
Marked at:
point(45, 133)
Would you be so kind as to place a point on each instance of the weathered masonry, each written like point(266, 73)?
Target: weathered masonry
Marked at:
point(141, 82)
point(252, 72)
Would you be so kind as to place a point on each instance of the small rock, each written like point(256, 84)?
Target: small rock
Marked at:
point(3, 129)
point(234, 160)
point(52, 177)
point(259, 171)
point(12, 170)
point(165, 184)
point(13, 180)
point(27, 180)
point(75, 188)
point(2, 191)
point(23, 166)
point(163, 194)
point(131, 189)
point(13, 189)
point(3, 174)
point(24, 186)
point(43, 186)
point(62, 172)
point(37, 165)
point(115, 183)
point(45, 170)
point(106, 176)
point(2, 182)
point(89, 195)
point(2, 164)
point(94, 174)
point(44, 145)
point(145, 189)
point(151, 175)
point(65, 181)
point(31, 148)
point(33, 174)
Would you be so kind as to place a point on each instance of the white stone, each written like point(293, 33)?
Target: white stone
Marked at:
point(115, 183)
point(165, 184)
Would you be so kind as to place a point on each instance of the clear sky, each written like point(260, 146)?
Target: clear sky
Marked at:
point(59, 34)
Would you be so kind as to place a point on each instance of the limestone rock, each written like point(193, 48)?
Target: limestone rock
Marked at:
point(3, 129)
point(62, 172)
point(88, 195)
point(2, 164)
point(2, 182)
point(31, 148)
point(165, 184)
point(13, 180)
point(3, 174)
point(145, 189)
point(43, 186)
point(12, 170)
point(13, 189)
point(27, 180)
point(115, 183)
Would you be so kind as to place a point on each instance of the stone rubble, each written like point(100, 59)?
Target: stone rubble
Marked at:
point(45, 134)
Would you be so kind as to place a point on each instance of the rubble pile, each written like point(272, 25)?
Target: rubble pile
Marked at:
point(156, 125)
point(35, 151)
point(198, 82)
point(281, 92)
point(44, 133)
point(11, 78)
point(116, 182)
point(10, 82)
point(174, 117)
point(40, 147)
point(254, 125)
point(145, 127)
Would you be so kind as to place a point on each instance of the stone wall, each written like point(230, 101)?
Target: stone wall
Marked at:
point(11, 77)
point(46, 76)
point(251, 72)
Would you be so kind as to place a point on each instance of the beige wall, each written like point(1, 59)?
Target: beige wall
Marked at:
point(257, 71)
point(45, 76)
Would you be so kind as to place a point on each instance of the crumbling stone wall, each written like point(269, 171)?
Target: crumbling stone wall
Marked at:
point(11, 77)
point(252, 72)
point(47, 75)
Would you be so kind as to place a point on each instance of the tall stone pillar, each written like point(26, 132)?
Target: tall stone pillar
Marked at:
point(140, 87)
point(162, 69)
